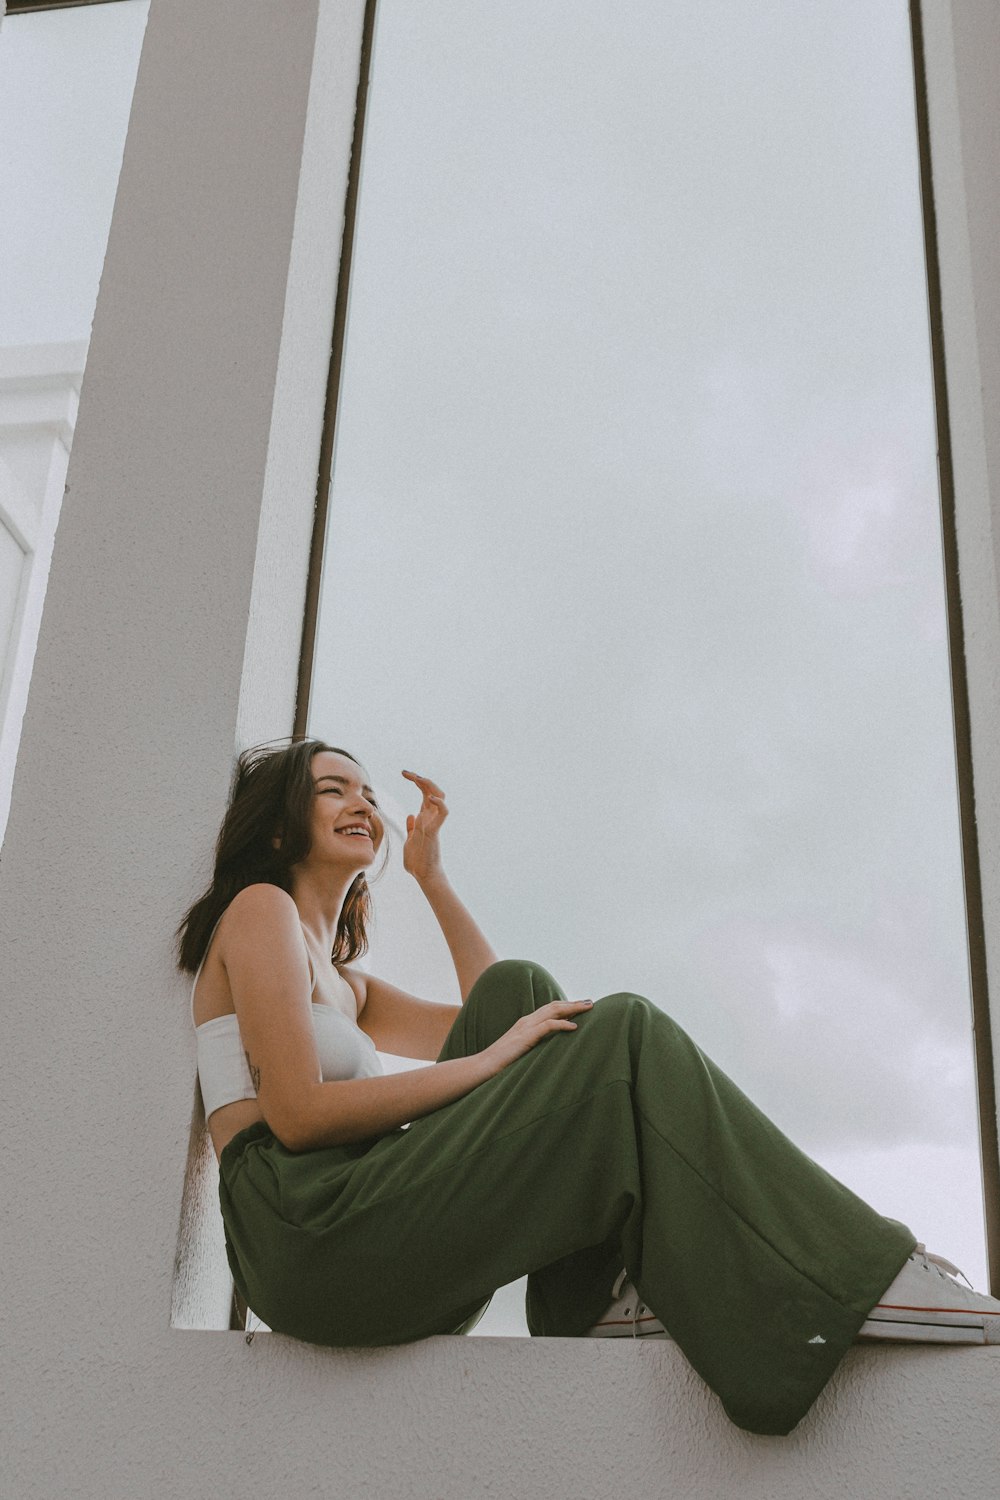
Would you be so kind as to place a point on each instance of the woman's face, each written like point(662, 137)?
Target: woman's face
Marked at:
point(346, 827)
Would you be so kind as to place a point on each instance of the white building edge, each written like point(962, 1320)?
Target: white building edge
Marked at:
point(171, 632)
point(39, 396)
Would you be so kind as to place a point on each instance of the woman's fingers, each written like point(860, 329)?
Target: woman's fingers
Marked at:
point(528, 1030)
point(559, 1013)
point(424, 782)
point(432, 794)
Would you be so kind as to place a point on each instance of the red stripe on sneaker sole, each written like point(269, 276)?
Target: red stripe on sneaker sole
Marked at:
point(947, 1312)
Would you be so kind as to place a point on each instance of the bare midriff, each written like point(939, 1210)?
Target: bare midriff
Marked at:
point(230, 1119)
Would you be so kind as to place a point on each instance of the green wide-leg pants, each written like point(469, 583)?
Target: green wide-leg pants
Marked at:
point(618, 1143)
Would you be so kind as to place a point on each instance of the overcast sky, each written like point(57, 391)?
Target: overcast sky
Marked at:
point(66, 80)
point(634, 543)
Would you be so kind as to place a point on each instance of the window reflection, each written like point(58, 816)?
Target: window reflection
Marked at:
point(634, 546)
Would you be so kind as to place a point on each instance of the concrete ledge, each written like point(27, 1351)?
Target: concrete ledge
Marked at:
point(557, 1418)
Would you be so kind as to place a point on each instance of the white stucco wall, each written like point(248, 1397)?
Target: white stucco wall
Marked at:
point(170, 630)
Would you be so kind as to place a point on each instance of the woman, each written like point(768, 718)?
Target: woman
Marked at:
point(590, 1145)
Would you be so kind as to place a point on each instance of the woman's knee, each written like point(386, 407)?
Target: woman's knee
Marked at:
point(519, 973)
point(626, 1009)
point(622, 1004)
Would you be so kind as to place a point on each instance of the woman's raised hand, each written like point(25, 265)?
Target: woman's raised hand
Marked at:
point(422, 852)
point(528, 1031)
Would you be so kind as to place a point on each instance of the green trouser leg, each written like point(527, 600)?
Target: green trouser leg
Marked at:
point(617, 1142)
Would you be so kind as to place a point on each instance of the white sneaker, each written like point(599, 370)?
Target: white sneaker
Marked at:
point(627, 1316)
point(926, 1304)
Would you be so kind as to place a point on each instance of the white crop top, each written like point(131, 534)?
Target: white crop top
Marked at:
point(344, 1049)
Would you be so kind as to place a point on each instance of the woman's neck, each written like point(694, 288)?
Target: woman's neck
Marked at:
point(320, 901)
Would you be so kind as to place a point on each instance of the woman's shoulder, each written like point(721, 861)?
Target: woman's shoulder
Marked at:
point(258, 908)
point(259, 897)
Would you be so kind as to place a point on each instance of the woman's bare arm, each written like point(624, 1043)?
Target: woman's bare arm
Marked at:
point(331, 1114)
point(470, 951)
point(358, 1109)
point(397, 1021)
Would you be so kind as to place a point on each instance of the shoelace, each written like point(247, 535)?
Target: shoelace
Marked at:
point(939, 1264)
point(640, 1307)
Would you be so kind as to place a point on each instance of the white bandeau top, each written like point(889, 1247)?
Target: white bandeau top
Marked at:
point(344, 1049)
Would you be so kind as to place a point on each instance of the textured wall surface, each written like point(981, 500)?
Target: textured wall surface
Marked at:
point(181, 542)
point(454, 1419)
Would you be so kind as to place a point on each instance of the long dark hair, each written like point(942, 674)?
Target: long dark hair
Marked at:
point(272, 794)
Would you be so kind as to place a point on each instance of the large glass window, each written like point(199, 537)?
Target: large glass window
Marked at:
point(66, 81)
point(634, 546)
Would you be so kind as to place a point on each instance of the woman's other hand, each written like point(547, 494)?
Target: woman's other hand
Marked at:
point(422, 851)
point(529, 1030)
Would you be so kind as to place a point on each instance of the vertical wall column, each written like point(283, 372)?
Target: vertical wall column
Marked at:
point(171, 631)
point(961, 42)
